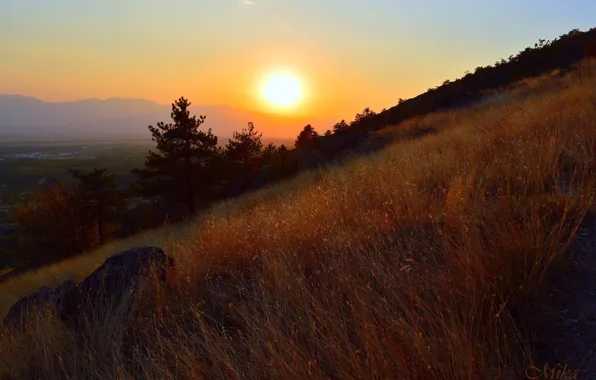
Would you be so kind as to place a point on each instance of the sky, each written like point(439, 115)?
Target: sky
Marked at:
point(346, 54)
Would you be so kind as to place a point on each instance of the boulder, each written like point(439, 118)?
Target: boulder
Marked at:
point(36, 303)
point(121, 274)
point(122, 271)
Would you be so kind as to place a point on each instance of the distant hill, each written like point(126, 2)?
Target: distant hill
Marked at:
point(557, 58)
point(544, 57)
point(28, 116)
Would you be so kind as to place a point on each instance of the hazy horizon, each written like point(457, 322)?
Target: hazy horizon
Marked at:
point(116, 117)
point(103, 99)
point(344, 55)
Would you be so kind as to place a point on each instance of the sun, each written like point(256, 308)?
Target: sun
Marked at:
point(282, 90)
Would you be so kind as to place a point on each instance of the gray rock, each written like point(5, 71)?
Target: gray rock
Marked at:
point(121, 274)
point(35, 303)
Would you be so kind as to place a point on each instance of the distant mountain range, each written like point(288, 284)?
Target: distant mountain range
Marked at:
point(113, 117)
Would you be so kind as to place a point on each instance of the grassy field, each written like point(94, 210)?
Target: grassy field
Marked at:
point(25, 163)
point(21, 174)
point(414, 263)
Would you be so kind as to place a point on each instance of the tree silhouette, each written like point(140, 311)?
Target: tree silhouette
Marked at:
point(341, 126)
point(276, 157)
point(47, 226)
point(180, 168)
point(244, 150)
point(98, 197)
point(269, 153)
point(362, 120)
point(68, 219)
point(306, 137)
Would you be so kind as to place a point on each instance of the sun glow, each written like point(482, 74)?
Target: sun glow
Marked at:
point(282, 90)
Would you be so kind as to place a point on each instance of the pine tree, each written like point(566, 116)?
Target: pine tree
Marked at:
point(341, 126)
point(269, 154)
point(181, 169)
point(100, 200)
point(245, 149)
point(306, 138)
point(362, 120)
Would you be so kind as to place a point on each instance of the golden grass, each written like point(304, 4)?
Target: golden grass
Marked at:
point(412, 263)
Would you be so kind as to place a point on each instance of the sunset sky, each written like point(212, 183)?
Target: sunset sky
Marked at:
point(345, 54)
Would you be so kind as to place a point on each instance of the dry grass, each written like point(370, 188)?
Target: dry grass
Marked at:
point(414, 263)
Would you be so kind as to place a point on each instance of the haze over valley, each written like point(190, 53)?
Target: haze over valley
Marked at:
point(26, 118)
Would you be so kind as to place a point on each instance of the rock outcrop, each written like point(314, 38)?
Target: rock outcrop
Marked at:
point(120, 275)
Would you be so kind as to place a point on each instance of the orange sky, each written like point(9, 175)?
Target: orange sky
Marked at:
point(349, 54)
point(235, 78)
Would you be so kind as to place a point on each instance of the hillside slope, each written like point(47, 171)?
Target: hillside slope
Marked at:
point(545, 56)
point(544, 59)
point(417, 262)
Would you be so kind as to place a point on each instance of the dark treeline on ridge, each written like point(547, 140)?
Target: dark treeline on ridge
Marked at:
point(544, 57)
point(188, 171)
